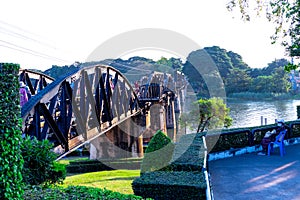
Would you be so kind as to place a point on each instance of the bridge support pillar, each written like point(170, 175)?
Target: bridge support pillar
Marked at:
point(162, 118)
point(140, 146)
point(172, 122)
point(123, 141)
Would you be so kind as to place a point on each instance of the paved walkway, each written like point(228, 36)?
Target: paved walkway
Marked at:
point(254, 177)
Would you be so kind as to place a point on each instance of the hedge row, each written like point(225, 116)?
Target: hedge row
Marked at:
point(84, 166)
point(75, 192)
point(170, 185)
point(11, 161)
point(188, 154)
point(182, 178)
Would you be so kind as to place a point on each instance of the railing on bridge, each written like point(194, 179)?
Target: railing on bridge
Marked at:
point(150, 92)
point(162, 88)
point(35, 81)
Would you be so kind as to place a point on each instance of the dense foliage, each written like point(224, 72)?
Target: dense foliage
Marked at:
point(237, 76)
point(11, 161)
point(39, 163)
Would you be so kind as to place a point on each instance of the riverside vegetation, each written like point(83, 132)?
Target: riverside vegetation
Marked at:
point(237, 76)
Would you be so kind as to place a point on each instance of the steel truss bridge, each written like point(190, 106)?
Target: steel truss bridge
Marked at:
point(95, 101)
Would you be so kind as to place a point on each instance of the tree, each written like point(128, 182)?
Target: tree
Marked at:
point(273, 66)
point(238, 81)
point(277, 82)
point(212, 113)
point(167, 65)
point(57, 71)
point(262, 84)
point(284, 14)
point(280, 81)
point(221, 59)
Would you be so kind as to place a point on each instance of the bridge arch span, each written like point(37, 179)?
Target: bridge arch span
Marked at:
point(80, 106)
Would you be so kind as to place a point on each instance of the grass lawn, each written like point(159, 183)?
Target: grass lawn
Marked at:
point(115, 180)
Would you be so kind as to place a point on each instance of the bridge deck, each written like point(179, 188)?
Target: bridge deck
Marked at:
point(251, 176)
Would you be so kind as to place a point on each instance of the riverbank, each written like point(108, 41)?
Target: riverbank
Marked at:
point(263, 96)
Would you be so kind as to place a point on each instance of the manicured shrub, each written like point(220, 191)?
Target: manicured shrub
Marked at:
point(75, 192)
point(39, 166)
point(84, 166)
point(161, 185)
point(11, 161)
point(158, 153)
point(188, 154)
point(87, 166)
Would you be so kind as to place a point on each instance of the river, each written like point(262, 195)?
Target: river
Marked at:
point(248, 113)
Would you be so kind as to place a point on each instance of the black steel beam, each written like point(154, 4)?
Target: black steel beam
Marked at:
point(52, 124)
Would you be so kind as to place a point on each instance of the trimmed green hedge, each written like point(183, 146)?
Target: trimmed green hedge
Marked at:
point(75, 192)
point(162, 185)
point(182, 178)
point(84, 166)
point(188, 154)
point(11, 161)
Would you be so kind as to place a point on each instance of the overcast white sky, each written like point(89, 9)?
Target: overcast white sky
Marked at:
point(39, 34)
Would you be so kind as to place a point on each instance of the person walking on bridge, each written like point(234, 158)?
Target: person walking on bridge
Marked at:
point(23, 94)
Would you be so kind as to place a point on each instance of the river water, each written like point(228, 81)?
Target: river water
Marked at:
point(248, 113)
